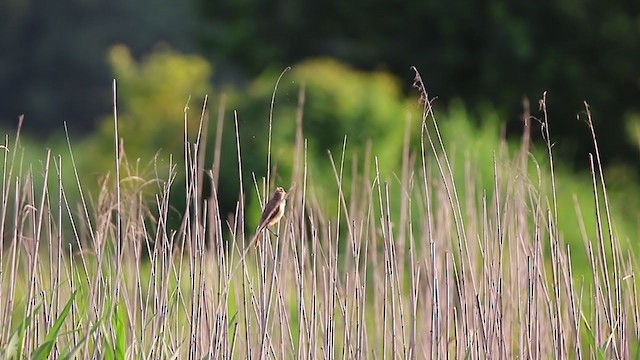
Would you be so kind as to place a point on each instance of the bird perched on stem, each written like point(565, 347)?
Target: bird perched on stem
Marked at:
point(272, 212)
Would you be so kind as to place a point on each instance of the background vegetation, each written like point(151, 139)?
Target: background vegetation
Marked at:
point(466, 250)
point(194, 80)
point(60, 59)
point(491, 52)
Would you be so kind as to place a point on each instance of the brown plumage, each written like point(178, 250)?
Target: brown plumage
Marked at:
point(272, 212)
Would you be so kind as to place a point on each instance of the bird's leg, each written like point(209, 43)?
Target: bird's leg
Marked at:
point(272, 233)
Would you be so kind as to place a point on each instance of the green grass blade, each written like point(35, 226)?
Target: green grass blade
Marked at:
point(44, 350)
point(121, 335)
point(75, 352)
point(13, 350)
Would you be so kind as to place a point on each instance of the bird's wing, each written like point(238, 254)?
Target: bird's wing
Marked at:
point(267, 214)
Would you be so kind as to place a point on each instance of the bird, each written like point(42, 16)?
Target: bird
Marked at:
point(272, 212)
point(271, 215)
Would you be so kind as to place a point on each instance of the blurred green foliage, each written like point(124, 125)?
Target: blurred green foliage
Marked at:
point(479, 58)
point(157, 97)
point(52, 65)
point(339, 102)
point(152, 95)
point(473, 151)
point(493, 51)
point(367, 107)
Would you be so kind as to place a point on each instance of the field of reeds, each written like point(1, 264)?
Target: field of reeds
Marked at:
point(422, 265)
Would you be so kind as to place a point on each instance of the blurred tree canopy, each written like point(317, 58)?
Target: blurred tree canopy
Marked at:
point(366, 107)
point(53, 64)
point(339, 101)
point(53, 68)
point(491, 51)
point(152, 96)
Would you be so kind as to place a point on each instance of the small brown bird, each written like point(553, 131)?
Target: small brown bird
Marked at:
point(272, 212)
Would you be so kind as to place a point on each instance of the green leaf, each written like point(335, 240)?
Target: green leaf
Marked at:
point(44, 350)
point(121, 335)
point(600, 354)
point(13, 350)
point(117, 349)
point(74, 353)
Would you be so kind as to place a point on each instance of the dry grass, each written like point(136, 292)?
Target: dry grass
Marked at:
point(403, 269)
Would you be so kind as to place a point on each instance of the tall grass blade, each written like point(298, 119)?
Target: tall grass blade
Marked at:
point(44, 350)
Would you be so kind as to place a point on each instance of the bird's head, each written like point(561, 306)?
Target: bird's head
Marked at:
point(279, 193)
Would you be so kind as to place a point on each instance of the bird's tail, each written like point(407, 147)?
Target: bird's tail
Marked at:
point(256, 238)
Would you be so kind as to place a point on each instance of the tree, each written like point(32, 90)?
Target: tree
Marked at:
point(52, 64)
point(490, 51)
